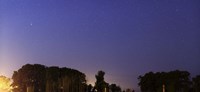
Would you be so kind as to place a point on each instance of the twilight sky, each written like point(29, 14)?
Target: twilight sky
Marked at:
point(124, 38)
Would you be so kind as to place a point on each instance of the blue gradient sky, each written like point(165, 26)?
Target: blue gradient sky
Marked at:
point(124, 38)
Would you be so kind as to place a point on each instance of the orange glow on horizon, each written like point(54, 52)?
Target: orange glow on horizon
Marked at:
point(5, 84)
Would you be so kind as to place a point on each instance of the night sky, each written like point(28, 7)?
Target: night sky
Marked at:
point(124, 38)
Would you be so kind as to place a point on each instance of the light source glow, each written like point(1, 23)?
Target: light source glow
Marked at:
point(5, 84)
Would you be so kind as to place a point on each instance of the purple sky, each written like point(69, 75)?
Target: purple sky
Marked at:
point(124, 38)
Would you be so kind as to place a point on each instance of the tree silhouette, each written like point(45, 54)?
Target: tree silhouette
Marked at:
point(29, 77)
point(100, 84)
point(114, 88)
point(89, 88)
point(196, 83)
point(175, 81)
point(39, 78)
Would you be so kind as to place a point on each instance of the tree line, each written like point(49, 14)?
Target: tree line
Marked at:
point(173, 81)
point(40, 78)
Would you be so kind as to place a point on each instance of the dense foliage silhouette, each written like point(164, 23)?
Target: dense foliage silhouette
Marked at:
point(174, 81)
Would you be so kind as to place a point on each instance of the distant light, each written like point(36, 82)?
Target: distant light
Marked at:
point(5, 84)
point(31, 24)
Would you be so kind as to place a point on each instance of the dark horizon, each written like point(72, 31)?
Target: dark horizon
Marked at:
point(124, 38)
point(45, 72)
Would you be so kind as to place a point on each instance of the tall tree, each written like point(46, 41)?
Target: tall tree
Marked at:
point(100, 84)
point(39, 78)
point(52, 79)
point(29, 77)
